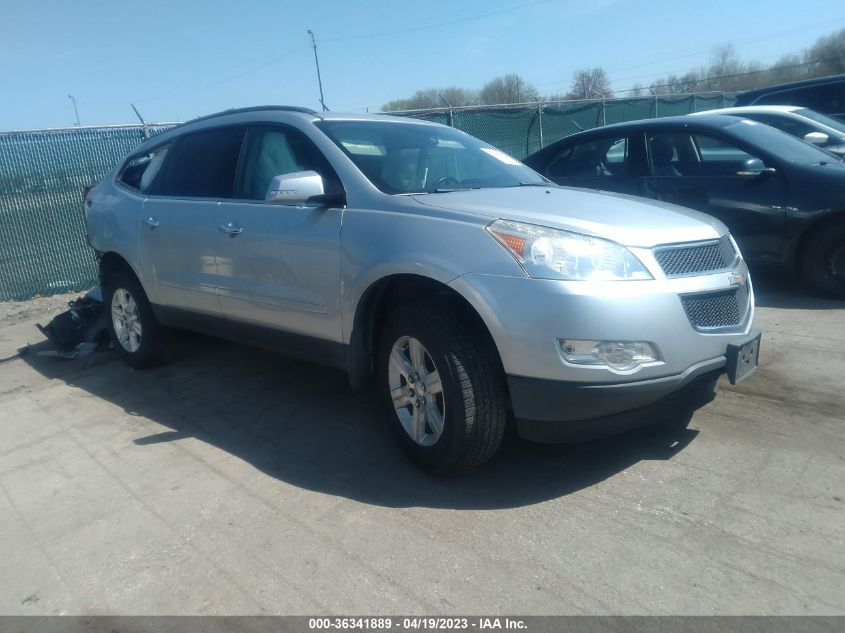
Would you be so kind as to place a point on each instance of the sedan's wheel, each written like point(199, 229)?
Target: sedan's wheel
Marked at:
point(135, 333)
point(416, 391)
point(126, 320)
point(442, 386)
point(823, 263)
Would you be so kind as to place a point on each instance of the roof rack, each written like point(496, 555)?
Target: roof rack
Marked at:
point(255, 109)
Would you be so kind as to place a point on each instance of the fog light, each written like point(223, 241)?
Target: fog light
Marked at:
point(615, 355)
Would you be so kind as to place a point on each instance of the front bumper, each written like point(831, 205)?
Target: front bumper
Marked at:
point(557, 401)
point(550, 411)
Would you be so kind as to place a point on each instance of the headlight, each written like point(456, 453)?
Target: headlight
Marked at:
point(548, 253)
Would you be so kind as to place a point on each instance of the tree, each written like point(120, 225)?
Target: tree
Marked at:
point(431, 98)
point(590, 83)
point(675, 85)
point(637, 91)
point(827, 55)
point(509, 88)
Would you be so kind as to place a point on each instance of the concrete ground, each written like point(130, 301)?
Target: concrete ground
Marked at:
point(234, 481)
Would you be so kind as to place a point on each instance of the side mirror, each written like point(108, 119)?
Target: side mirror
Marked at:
point(296, 187)
point(816, 138)
point(753, 167)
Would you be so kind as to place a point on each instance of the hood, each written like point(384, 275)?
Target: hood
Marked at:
point(624, 219)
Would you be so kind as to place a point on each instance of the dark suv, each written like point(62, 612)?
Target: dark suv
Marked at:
point(823, 94)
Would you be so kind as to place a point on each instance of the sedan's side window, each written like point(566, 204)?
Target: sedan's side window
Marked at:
point(694, 155)
point(787, 124)
point(603, 158)
point(272, 151)
point(201, 164)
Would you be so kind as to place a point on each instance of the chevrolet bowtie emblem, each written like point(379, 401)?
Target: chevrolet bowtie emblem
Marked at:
point(738, 279)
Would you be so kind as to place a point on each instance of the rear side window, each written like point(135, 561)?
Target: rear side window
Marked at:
point(201, 165)
point(140, 171)
point(603, 158)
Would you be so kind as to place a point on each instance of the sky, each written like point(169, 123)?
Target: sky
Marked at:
point(176, 59)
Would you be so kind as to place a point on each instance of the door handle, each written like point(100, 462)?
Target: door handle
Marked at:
point(231, 229)
point(152, 223)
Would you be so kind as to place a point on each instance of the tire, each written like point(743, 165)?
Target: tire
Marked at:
point(823, 259)
point(136, 335)
point(470, 407)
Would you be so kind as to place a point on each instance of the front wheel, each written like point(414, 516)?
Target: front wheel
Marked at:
point(823, 261)
point(442, 387)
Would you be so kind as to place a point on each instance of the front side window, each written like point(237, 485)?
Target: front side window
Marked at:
point(272, 151)
point(201, 164)
point(603, 158)
point(675, 155)
point(404, 158)
point(787, 124)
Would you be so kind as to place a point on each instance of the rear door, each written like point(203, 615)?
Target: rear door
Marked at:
point(703, 170)
point(178, 234)
point(607, 163)
point(280, 271)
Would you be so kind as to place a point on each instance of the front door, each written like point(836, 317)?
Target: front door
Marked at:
point(709, 173)
point(279, 264)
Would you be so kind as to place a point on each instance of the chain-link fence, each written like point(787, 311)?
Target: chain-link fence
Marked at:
point(522, 129)
point(42, 173)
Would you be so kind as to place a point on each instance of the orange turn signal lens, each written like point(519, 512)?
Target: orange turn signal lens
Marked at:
point(513, 242)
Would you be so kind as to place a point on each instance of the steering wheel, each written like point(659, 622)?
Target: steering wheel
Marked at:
point(445, 180)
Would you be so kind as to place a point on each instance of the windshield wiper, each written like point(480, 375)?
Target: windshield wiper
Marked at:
point(451, 189)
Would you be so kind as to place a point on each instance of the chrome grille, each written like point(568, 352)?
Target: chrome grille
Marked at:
point(717, 310)
point(677, 261)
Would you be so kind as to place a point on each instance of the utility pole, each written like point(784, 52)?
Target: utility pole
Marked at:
point(75, 109)
point(317, 62)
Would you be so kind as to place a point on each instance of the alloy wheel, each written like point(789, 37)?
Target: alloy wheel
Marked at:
point(416, 390)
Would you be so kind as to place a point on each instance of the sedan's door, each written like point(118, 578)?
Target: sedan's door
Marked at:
point(710, 173)
point(279, 264)
point(605, 163)
point(178, 234)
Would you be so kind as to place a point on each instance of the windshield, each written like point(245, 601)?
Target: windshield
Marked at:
point(403, 158)
point(781, 144)
point(818, 117)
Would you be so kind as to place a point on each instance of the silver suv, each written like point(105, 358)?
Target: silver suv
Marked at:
point(471, 291)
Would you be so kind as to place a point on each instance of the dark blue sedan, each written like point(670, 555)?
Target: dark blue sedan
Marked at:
point(782, 198)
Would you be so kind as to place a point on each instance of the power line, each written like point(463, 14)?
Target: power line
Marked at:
point(423, 27)
point(214, 84)
point(770, 36)
point(748, 72)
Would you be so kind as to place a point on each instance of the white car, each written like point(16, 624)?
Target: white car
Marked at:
point(809, 125)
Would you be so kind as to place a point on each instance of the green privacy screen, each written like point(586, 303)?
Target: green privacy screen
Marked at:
point(42, 173)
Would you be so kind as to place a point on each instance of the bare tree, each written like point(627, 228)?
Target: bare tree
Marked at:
point(827, 55)
point(433, 98)
point(589, 83)
point(509, 88)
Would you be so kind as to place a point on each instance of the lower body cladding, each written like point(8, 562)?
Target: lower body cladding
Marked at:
point(672, 368)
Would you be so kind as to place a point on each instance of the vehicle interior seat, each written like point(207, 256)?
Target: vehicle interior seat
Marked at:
point(662, 153)
point(274, 157)
point(586, 162)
